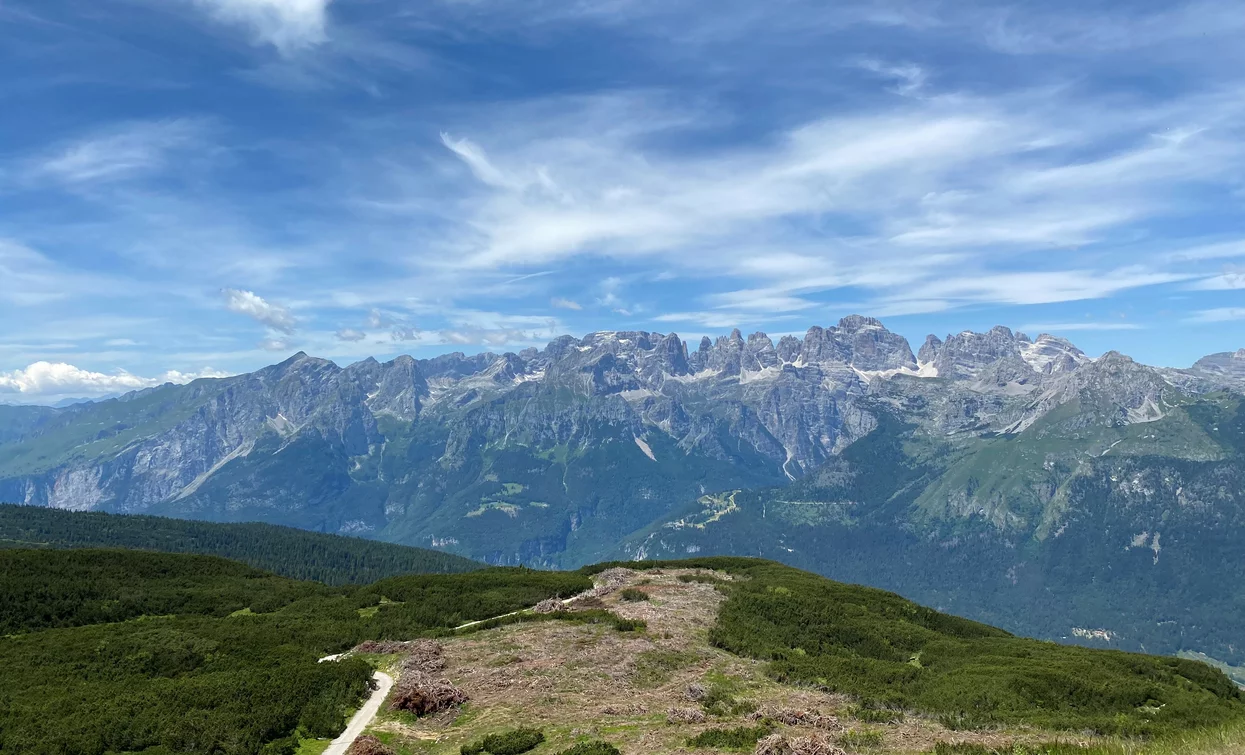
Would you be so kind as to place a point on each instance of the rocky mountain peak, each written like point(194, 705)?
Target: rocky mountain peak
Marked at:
point(1225, 363)
point(1051, 354)
point(928, 352)
point(858, 341)
point(964, 355)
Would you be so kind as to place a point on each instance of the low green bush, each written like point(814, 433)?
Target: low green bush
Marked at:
point(511, 742)
point(720, 700)
point(944, 748)
point(873, 714)
point(741, 738)
point(704, 579)
point(592, 748)
point(632, 595)
point(861, 739)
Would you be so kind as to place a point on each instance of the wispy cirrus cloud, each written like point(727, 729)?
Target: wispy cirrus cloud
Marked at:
point(288, 25)
point(120, 152)
point(944, 165)
point(1077, 326)
point(1217, 314)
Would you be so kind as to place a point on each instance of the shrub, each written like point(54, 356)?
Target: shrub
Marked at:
point(704, 579)
point(632, 595)
point(510, 742)
point(870, 713)
point(720, 700)
point(592, 748)
point(654, 668)
point(861, 739)
point(1053, 748)
point(877, 646)
point(741, 738)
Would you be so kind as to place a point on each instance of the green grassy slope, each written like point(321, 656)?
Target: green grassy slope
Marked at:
point(891, 652)
point(331, 559)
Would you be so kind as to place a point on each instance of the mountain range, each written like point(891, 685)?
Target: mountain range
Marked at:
point(1006, 478)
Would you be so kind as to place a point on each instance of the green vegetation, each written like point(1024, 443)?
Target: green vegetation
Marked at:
point(704, 579)
point(1040, 537)
point(331, 559)
point(876, 715)
point(942, 748)
point(511, 742)
point(633, 595)
point(879, 647)
point(114, 651)
point(721, 699)
point(741, 738)
point(861, 739)
point(654, 668)
point(596, 747)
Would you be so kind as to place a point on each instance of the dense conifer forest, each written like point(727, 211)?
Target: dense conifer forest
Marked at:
point(133, 651)
point(290, 552)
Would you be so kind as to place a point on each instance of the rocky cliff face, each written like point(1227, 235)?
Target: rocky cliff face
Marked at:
point(399, 439)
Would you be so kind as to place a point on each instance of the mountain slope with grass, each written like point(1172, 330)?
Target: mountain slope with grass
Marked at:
point(741, 655)
point(132, 651)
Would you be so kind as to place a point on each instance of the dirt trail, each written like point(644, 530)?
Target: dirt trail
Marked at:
point(364, 716)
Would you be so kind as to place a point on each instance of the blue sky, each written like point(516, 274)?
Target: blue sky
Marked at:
point(206, 186)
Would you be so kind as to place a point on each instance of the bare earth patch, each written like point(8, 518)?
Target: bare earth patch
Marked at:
point(580, 681)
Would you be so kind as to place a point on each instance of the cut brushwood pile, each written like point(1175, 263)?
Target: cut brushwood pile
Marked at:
point(650, 691)
point(421, 688)
point(369, 745)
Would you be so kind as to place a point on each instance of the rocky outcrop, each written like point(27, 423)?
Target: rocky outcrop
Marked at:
point(745, 402)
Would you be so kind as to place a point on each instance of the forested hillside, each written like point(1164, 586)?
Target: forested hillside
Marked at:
point(127, 651)
point(332, 559)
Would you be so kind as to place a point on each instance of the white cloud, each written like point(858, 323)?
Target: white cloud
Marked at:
point(1220, 314)
point(117, 153)
point(404, 333)
point(561, 303)
point(289, 25)
point(909, 77)
point(248, 303)
point(274, 344)
point(350, 335)
point(1222, 250)
point(377, 320)
point(59, 379)
point(491, 338)
point(1230, 280)
point(721, 319)
point(478, 162)
point(1067, 326)
point(759, 300)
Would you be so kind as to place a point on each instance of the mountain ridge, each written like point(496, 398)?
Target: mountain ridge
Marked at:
point(561, 456)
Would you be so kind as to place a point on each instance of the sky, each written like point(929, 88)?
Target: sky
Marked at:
point(203, 187)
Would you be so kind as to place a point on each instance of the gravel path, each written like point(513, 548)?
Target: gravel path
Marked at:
point(364, 716)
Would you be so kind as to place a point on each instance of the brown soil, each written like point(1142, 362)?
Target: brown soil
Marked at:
point(589, 680)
